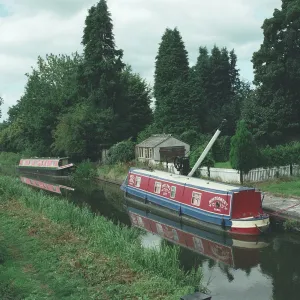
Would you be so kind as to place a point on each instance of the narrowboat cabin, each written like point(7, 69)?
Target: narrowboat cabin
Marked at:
point(49, 166)
point(231, 251)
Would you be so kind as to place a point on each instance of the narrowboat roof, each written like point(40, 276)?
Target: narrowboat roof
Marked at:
point(192, 181)
point(52, 158)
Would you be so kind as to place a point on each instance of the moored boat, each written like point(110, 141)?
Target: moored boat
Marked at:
point(235, 209)
point(43, 165)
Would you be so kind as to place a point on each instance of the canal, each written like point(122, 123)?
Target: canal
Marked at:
point(233, 268)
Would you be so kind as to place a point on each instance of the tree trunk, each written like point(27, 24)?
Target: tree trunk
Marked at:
point(241, 177)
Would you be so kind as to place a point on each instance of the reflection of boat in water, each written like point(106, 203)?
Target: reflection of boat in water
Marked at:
point(237, 252)
point(47, 184)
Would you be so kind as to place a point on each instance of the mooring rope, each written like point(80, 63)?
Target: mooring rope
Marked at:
point(282, 210)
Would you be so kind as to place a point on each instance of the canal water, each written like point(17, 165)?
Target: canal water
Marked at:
point(267, 268)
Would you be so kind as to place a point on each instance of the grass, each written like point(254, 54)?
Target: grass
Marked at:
point(51, 249)
point(284, 186)
point(223, 165)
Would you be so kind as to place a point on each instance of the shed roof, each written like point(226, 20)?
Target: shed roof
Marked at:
point(154, 140)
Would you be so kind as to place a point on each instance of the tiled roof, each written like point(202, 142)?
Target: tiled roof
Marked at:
point(154, 140)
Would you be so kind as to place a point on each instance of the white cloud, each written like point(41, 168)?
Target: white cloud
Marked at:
point(35, 27)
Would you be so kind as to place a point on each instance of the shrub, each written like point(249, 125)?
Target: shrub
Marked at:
point(121, 152)
point(85, 170)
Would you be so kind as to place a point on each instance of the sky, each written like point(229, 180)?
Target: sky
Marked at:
point(29, 28)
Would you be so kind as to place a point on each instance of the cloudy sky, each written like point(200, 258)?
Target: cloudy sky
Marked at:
point(29, 28)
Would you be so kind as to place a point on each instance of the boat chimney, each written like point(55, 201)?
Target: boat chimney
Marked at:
point(207, 148)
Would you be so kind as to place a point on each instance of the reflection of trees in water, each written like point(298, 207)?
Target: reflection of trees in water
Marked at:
point(282, 263)
point(103, 199)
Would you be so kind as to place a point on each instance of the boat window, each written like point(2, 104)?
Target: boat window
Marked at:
point(196, 198)
point(157, 187)
point(137, 181)
point(173, 191)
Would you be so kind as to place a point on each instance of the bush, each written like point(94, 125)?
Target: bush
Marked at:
point(85, 170)
point(195, 154)
point(121, 152)
point(221, 149)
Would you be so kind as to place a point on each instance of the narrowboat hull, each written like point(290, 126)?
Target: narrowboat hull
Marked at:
point(236, 210)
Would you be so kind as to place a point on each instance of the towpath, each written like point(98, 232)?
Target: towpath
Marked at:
point(282, 207)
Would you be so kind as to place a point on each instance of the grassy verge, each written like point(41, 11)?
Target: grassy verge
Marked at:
point(223, 165)
point(287, 186)
point(51, 249)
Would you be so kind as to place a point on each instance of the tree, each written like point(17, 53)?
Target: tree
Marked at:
point(137, 94)
point(243, 150)
point(277, 74)
point(100, 78)
point(82, 131)
point(199, 87)
point(50, 90)
point(172, 109)
point(1, 103)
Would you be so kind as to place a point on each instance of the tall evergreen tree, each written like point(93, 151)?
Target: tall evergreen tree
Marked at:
point(100, 79)
point(171, 84)
point(277, 75)
point(200, 88)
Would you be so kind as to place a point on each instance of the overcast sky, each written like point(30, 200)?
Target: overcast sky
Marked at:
point(29, 28)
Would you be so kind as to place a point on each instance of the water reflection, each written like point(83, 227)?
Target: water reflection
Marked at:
point(102, 199)
point(54, 186)
point(220, 248)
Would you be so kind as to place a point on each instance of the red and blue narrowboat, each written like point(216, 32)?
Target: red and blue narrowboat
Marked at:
point(49, 166)
point(235, 209)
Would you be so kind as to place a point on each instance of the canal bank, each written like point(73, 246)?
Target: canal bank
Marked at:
point(267, 268)
point(281, 207)
point(51, 248)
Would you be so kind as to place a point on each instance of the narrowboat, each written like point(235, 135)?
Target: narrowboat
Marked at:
point(231, 251)
point(44, 185)
point(49, 166)
point(235, 209)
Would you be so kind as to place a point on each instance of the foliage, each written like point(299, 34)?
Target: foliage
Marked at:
point(195, 154)
point(1, 103)
point(85, 170)
point(121, 152)
point(172, 110)
point(221, 149)
point(243, 150)
point(83, 131)
point(280, 155)
point(277, 73)
point(190, 137)
point(147, 132)
point(138, 97)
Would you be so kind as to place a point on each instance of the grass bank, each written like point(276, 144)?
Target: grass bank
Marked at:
point(285, 186)
point(51, 249)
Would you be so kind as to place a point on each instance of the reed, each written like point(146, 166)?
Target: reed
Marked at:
point(112, 240)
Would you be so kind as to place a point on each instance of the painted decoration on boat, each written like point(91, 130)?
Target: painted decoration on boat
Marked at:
point(46, 163)
point(210, 201)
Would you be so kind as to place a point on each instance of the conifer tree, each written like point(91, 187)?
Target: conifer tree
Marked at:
point(243, 150)
point(171, 84)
